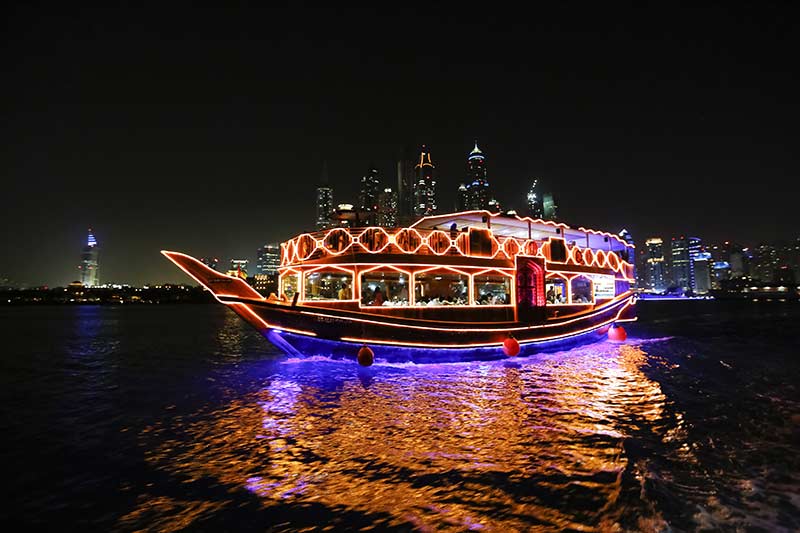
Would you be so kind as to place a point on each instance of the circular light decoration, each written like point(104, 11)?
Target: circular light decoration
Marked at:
point(511, 248)
point(600, 258)
point(408, 240)
point(306, 245)
point(374, 240)
point(588, 257)
point(337, 241)
point(531, 248)
point(612, 260)
point(438, 242)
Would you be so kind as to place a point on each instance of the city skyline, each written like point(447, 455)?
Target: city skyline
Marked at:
point(158, 142)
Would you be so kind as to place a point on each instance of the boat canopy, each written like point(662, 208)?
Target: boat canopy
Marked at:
point(512, 225)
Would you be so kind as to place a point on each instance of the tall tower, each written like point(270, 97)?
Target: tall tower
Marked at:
point(534, 202)
point(477, 183)
point(424, 185)
point(324, 201)
point(368, 197)
point(89, 266)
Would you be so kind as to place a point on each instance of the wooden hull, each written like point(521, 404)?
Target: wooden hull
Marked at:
point(305, 330)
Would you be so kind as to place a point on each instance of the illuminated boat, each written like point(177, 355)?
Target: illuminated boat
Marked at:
point(449, 287)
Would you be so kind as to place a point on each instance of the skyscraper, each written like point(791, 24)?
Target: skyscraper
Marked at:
point(534, 201)
point(387, 208)
point(424, 185)
point(368, 197)
point(90, 276)
point(478, 194)
point(462, 198)
point(268, 259)
point(655, 276)
point(683, 251)
point(325, 205)
point(405, 188)
point(549, 207)
point(701, 266)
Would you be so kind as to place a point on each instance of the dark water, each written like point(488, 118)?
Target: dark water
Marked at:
point(171, 418)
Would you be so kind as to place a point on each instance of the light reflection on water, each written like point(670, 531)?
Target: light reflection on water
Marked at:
point(173, 418)
point(501, 446)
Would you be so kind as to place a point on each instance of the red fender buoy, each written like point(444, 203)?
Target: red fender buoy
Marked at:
point(365, 356)
point(510, 346)
point(617, 333)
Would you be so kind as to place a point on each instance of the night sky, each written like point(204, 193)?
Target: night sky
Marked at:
point(204, 130)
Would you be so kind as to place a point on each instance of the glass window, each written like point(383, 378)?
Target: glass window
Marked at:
point(289, 285)
point(555, 290)
point(581, 292)
point(328, 285)
point(492, 289)
point(441, 287)
point(384, 288)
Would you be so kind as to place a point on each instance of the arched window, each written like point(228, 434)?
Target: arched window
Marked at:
point(555, 290)
point(441, 287)
point(328, 284)
point(491, 288)
point(290, 284)
point(384, 287)
point(581, 290)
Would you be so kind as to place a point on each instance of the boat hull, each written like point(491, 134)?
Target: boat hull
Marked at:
point(307, 330)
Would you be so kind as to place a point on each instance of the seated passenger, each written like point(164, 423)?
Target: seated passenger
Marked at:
point(551, 295)
point(344, 292)
point(378, 297)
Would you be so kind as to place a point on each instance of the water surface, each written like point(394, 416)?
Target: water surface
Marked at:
point(171, 418)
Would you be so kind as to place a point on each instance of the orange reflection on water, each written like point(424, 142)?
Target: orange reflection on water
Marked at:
point(537, 444)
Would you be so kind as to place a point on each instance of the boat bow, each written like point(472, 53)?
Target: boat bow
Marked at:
point(220, 285)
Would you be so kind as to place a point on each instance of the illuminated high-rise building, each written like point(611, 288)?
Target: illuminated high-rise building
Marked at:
point(424, 185)
point(478, 193)
point(534, 201)
point(368, 197)
point(655, 276)
point(405, 188)
point(387, 208)
point(89, 267)
point(268, 259)
point(462, 198)
point(701, 267)
point(683, 252)
point(325, 207)
point(549, 207)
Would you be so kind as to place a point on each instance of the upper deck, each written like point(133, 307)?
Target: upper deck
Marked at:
point(471, 238)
